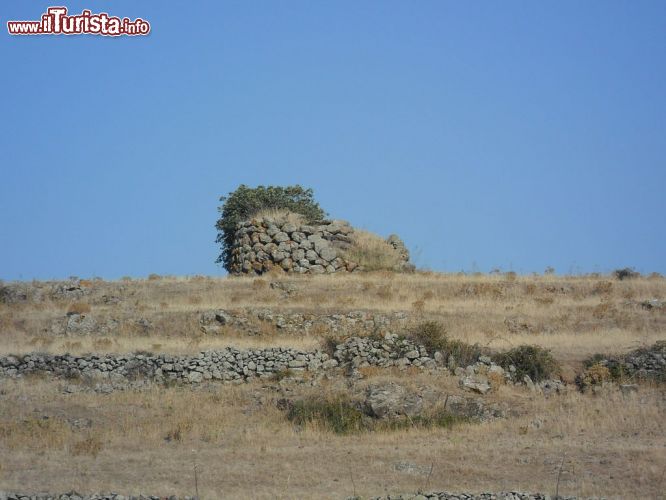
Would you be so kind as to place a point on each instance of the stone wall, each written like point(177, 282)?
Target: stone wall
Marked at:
point(227, 364)
point(264, 244)
point(234, 365)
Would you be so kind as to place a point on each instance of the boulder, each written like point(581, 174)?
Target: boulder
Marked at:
point(388, 400)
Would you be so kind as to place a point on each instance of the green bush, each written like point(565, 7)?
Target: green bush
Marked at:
point(339, 415)
point(336, 414)
point(245, 201)
point(626, 273)
point(531, 360)
point(433, 336)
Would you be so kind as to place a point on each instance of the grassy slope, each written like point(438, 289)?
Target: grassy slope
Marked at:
point(149, 441)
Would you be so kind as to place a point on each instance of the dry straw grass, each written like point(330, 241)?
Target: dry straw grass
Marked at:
point(613, 444)
point(372, 252)
point(279, 216)
point(573, 316)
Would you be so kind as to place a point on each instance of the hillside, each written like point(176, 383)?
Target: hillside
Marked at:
point(367, 384)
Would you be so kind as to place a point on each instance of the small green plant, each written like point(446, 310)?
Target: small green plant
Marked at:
point(531, 360)
point(340, 415)
point(334, 413)
point(433, 336)
point(439, 418)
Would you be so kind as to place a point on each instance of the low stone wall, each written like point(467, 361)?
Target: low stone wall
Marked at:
point(234, 365)
point(263, 244)
point(227, 364)
point(643, 363)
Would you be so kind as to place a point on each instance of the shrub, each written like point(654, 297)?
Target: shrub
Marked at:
point(246, 202)
point(531, 360)
point(433, 336)
point(596, 374)
point(613, 365)
point(340, 415)
point(626, 273)
point(336, 414)
point(372, 252)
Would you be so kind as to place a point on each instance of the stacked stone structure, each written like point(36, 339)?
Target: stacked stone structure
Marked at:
point(264, 244)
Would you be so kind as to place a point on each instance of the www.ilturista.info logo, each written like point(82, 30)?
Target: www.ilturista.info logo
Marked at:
point(56, 22)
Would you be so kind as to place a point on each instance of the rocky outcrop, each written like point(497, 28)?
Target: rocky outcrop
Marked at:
point(644, 363)
point(389, 400)
point(403, 254)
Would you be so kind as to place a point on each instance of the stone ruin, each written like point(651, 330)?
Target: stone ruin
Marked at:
point(264, 244)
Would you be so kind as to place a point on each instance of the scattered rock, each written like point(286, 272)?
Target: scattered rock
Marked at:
point(475, 383)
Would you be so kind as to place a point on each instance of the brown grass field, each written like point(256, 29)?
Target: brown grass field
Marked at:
point(151, 441)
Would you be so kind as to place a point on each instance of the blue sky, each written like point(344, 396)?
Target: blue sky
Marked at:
point(515, 134)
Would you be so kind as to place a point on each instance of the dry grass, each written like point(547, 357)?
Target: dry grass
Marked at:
point(79, 308)
point(613, 445)
point(150, 343)
point(279, 216)
point(372, 252)
point(573, 316)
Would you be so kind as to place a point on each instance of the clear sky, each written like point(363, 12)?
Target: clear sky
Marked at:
point(487, 134)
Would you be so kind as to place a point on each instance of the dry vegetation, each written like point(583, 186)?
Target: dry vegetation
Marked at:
point(573, 316)
point(612, 444)
point(372, 252)
point(149, 441)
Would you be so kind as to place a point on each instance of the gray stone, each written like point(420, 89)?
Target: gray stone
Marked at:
point(475, 383)
point(392, 400)
point(327, 253)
